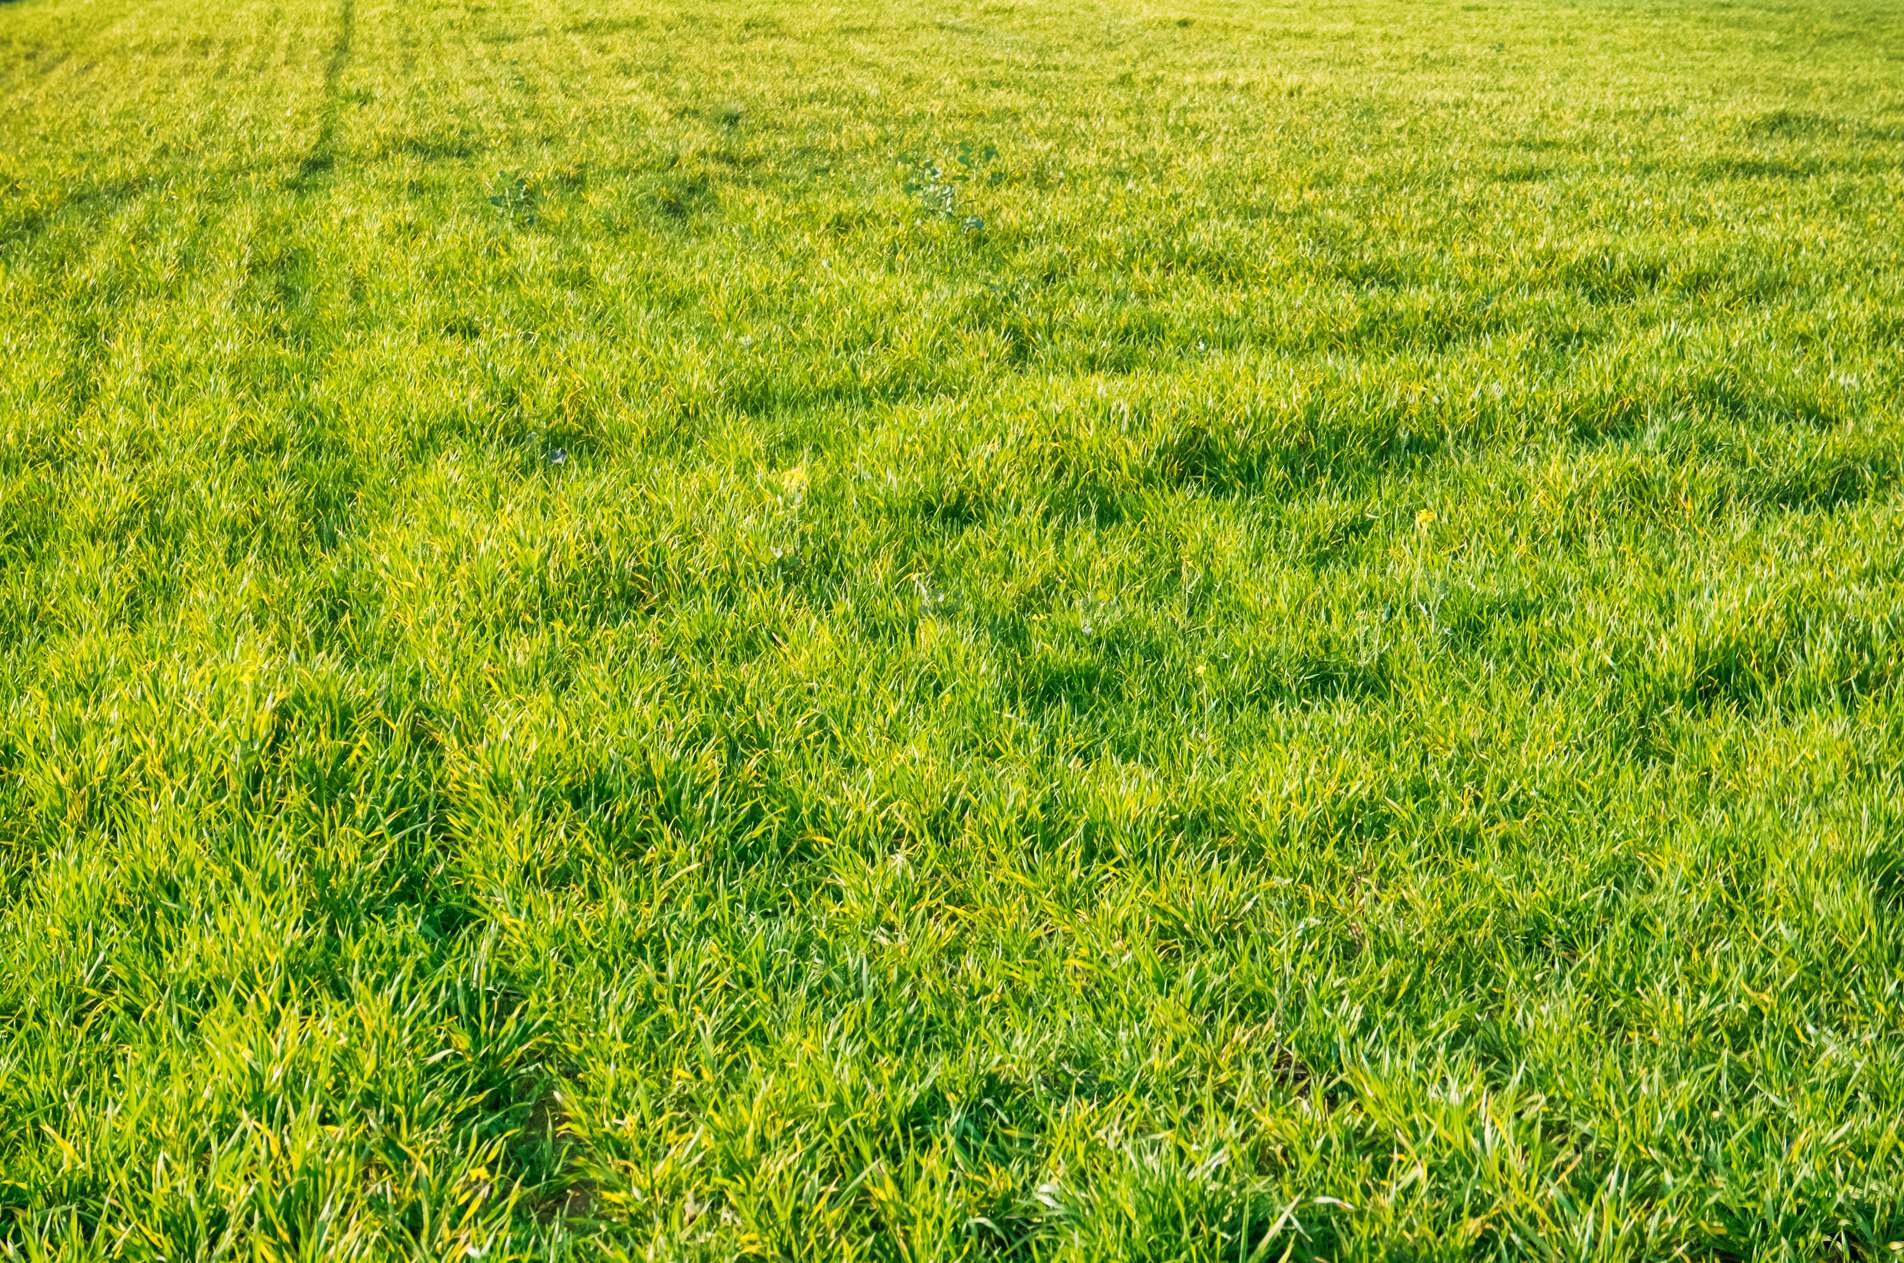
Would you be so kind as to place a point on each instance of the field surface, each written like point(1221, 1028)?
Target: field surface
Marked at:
point(899, 631)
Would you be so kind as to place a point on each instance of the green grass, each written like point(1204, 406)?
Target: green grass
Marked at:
point(922, 631)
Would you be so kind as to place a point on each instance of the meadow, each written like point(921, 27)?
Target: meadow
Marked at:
point(1078, 630)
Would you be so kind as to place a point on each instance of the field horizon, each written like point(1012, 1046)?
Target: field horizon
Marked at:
point(1065, 631)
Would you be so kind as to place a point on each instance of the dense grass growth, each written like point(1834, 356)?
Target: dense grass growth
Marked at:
point(922, 631)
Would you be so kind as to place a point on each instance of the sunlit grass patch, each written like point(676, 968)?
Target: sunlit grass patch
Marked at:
point(1207, 632)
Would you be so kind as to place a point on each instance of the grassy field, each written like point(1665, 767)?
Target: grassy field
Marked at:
point(905, 631)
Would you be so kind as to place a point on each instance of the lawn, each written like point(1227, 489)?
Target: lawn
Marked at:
point(1135, 629)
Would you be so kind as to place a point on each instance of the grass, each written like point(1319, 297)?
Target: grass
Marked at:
point(908, 632)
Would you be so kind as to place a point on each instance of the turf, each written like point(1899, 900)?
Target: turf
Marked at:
point(923, 631)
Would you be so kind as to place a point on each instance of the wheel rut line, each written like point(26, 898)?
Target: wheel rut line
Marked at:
point(319, 160)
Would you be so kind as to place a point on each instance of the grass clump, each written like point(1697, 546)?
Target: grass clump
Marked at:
point(932, 633)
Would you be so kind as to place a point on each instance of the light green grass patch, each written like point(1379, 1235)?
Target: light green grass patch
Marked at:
point(1043, 631)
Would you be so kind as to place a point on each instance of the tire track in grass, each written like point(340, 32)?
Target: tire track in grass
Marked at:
point(319, 161)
